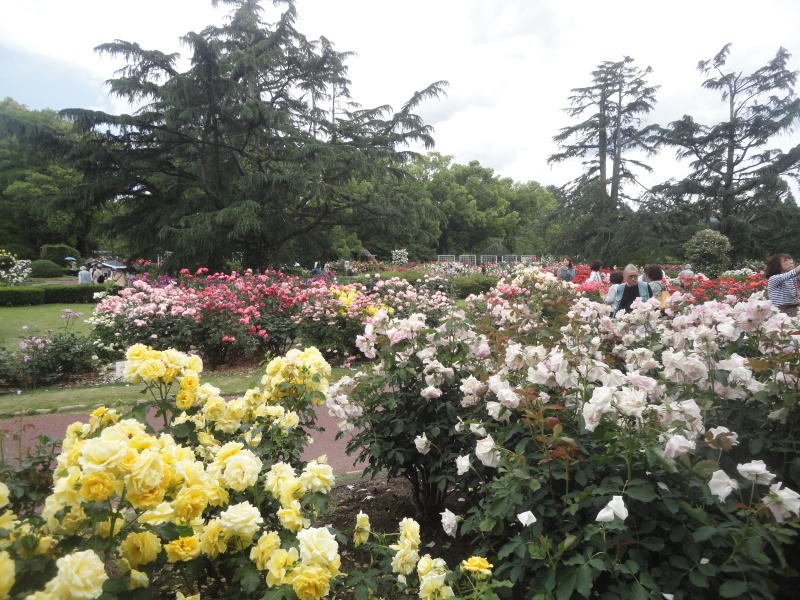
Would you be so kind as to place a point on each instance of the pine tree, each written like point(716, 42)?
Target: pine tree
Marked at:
point(251, 150)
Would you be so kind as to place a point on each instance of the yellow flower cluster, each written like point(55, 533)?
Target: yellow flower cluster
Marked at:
point(308, 568)
point(432, 573)
point(143, 364)
point(284, 485)
point(406, 549)
point(306, 369)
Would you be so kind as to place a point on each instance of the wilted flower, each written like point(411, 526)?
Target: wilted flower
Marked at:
point(449, 522)
point(422, 443)
point(526, 518)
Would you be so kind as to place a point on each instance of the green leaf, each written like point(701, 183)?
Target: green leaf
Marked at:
point(583, 581)
point(705, 468)
point(698, 579)
point(644, 494)
point(249, 578)
point(566, 585)
point(653, 543)
point(703, 533)
point(732, 589)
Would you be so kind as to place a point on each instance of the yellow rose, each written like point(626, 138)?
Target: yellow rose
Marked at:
point(361, 533)
point(80, 576)
point(214, 408)
point(96, 486)
point(405, 559)
point(190, 382)
point(136, 352)
point(194, 363)
point(147, 499)
point(278, 564)
point(184, 399)
point(162, 513)
point(409, 530)
point(432, 587)
point(291, 517)
point(147, 473)
point(140, 548)
point(103, 529)
point(262, 551)
point(291, 489)
point(131, 372)
point(213, 540)
point(310, 582)
point(183, 549)
point(174, 359)
point(138, 580)
point(428, 565)
point(190, 502)
point(317, 546)
point(318, 476)
point(99, 454)
point(169, 375)
point(242, 470)
point(241, 521)
point(478, 566)
point(277, 475)
point(151, 369)
point(71, 521)
point(7, 574)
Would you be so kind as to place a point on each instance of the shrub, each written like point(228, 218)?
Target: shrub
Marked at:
point(57, 252)
point(72, 294)
point(473, 284)
point(21, 296)
point(42, 269)
point(43, 360)
point(708, 252)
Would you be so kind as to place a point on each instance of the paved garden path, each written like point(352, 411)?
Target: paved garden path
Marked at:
point(56, 424)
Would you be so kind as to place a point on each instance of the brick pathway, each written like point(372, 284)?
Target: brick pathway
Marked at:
point(56, 424)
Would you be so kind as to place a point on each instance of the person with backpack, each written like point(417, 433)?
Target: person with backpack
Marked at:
point(627, 292)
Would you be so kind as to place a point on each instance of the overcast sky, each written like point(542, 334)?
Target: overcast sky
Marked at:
point(510, 63)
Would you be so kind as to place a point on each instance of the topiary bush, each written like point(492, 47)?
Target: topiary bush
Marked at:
point(43, 269)
point(57, 252)
point(708, 252)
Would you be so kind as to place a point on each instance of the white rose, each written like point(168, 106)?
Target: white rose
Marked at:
point(721, 485)
point(615, 508)
point(241, 520)
point(487, 453)
point(423, 444)
point(80, 575)
point(462, 464)
point(526, 518)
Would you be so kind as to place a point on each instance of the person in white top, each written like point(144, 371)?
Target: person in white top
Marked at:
point(595, 274)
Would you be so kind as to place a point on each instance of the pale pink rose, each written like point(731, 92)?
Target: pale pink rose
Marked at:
point(422, 443)
point(756, 471)
point(782, 503)
point(721, 485)
point(431, 392)
point(678, 445)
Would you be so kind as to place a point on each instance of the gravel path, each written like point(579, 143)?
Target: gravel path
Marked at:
point(56, 424)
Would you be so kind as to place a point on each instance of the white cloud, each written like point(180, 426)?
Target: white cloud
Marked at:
point(510, 63)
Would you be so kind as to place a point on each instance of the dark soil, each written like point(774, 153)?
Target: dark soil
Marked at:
point(387, 502)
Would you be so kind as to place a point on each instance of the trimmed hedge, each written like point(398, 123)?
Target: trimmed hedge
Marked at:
point(51, 294)
point(43, 269)
point(21, 296)
point(464, 285)
point(71, 294)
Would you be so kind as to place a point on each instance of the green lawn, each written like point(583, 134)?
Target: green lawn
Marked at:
point(113, 394)
point(38, 319)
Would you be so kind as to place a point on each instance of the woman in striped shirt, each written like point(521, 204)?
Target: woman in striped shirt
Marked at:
point(782, 278)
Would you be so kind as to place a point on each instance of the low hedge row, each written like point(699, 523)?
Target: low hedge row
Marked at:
point(50, 294)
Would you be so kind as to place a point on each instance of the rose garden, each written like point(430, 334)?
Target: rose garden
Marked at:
point(652, 455)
